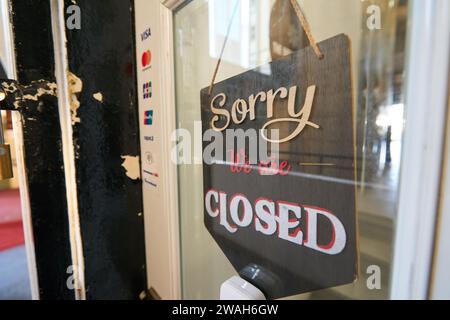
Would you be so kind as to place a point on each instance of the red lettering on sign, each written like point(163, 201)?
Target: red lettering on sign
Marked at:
point(241, 164)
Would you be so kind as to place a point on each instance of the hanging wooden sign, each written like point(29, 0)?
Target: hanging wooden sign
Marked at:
point(290, 224)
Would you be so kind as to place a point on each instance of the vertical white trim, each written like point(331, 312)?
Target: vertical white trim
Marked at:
point(214, 49)
point(441, 276)
point(65, 118)
point(426, 105)
point(168, 126)
point(10, 66)
point(160, 202)
point(25, 205)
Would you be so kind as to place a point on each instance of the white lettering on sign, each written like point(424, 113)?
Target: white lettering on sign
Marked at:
point(283, 218)
point(242, 109)
point(338, 239)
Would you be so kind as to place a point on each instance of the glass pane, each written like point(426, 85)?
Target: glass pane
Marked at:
point(260, 31)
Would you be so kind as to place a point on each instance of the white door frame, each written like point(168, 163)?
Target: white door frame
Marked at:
point(440, 275)
point(426, 109)
point(427, 93)
point(161, 214)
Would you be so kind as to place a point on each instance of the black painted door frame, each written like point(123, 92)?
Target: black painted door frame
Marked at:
point(76, 93)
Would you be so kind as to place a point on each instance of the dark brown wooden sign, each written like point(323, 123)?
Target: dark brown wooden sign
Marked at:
point(288, 226)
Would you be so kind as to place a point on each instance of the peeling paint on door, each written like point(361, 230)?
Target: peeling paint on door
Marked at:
point(75, 87)
point(35, 96)
point(32, 92)
point(106, 142)
point(132, 167)
point(98, 96)
point(50, 88)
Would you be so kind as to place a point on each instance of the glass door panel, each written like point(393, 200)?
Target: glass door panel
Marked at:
point(256, 33)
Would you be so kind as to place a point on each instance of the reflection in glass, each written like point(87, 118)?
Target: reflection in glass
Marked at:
point(262, 30)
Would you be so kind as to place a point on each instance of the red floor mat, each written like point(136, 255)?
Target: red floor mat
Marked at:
point(11, 235)
point(11, 230)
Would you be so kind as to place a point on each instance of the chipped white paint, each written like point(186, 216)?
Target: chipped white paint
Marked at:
point(9, 87)
point(51, 90)
point(98, 96)
point(75, 87)
point(132, 166)
point(69, 86)
point(41, 88)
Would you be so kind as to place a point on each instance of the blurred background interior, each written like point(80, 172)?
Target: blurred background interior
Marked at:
point(14, 283)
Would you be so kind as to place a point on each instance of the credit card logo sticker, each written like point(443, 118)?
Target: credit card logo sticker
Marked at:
point(146, 59)
point(146, 34)
point(154, 185)
point(147, 90)
point(151, 173)
point(149, 158)
point(148, 118)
